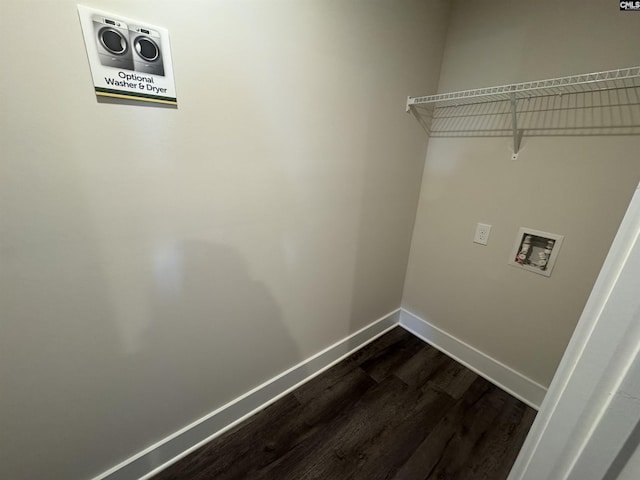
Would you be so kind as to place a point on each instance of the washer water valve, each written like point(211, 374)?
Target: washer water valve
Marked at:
point(536, 251)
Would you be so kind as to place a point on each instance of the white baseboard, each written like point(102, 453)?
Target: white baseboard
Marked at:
point(169, 450)
point(513, 382)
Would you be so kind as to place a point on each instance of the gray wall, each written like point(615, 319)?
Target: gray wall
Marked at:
point(156, 263)
point(574, 186)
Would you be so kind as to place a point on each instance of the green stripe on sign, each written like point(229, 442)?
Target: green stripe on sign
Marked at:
point(135, 94)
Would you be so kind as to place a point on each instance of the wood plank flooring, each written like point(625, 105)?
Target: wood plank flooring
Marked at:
point(397, 409)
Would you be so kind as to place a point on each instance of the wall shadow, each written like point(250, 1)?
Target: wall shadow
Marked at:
point(215, 333)
point(80, 386)
point(212, 320)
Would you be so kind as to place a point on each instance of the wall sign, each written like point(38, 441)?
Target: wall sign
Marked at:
point(128, 58)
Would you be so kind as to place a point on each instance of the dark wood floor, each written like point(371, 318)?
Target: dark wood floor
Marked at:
point(396, 409)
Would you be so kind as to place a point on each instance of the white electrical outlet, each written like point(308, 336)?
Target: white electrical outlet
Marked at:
point(482, 234)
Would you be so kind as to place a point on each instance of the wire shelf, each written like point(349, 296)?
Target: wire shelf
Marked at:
point(608, 105)
point(587, 82)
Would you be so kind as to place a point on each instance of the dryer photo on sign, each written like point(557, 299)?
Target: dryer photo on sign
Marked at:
point(112, 40)
point(147, 50)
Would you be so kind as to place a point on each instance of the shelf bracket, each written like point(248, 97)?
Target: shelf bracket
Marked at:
point(514, 127)
point(410, 102)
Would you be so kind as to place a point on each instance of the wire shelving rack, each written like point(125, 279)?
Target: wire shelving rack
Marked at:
point(622, 78)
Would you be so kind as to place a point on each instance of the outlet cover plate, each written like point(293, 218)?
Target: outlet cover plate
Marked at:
point(482, 233)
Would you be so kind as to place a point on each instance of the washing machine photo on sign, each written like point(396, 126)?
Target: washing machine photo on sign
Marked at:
point(147, 50)
point(112, 40)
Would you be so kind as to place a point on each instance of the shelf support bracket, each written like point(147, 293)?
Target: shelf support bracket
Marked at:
point(514, 127)
point(409, 104)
